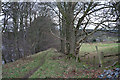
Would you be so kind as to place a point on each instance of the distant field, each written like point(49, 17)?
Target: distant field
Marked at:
point(108, 48)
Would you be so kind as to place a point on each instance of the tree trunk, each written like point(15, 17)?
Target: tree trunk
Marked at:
point(3, 57)
point(30, 16)
point(72, 40)
point(62, 35)
point(17, 48)
point(22, 33)
point(71, 31)
point(69, 28)
point(15, 30)
point(68, 40)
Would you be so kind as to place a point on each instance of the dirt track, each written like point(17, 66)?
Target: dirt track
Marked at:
point(42, 61)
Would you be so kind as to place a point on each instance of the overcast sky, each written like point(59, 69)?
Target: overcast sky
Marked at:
point(56, 18)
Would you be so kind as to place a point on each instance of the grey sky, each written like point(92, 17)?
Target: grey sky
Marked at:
point(55, 18)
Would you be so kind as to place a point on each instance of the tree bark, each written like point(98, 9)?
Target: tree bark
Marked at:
point(3, 57)
point(62, 35)
point(67, 39)
point(71, 29)
point(61, 25)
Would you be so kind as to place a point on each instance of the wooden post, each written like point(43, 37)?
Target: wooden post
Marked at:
point(77, 56)
point(102, 57)
point(94, 61)
point(88, 58)
point(100, 61)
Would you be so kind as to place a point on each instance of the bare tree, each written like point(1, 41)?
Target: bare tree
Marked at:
point(77, 17)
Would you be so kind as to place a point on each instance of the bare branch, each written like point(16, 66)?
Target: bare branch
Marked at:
point(94, 30)
point(58, 37)
point(74, 4)
point(77, 14)
point(96, 10)
point(82, 18)
point(61, 9)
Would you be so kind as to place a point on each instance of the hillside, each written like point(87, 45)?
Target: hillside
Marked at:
point(52, 64)
point(48, 64)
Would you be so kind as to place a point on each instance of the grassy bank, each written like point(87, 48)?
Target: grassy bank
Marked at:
point(21, 67)
point(56, 65)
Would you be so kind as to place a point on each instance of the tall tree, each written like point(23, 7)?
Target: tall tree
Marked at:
point(79, 16)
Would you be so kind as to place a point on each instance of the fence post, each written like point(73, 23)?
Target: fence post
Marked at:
point(102, 57)
point(94, 61)
point(100, 61)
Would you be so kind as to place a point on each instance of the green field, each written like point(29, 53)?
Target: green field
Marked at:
point(107, 48)
point(56, 65)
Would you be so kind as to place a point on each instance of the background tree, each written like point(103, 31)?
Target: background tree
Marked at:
point(21, 34)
